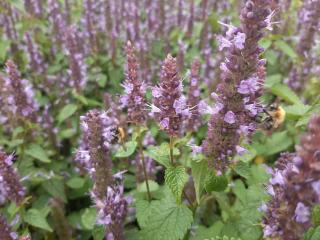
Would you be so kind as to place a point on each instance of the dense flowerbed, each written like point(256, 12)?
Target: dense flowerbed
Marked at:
point(159, 119)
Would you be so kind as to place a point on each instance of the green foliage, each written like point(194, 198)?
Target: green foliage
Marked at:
point(66, 112)
point(316, 215)
point(37, 219)
point(176, 178)
point(166, 221)
point(127, 150)
point(37, 152)
point(215, 183)
point(199, 172)
point(312, 234)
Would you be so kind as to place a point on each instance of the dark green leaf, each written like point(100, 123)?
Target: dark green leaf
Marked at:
point(37, 152)
point(199, 172)
point(35, 218)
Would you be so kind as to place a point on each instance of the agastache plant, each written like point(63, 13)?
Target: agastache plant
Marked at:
point(6, 232)
point(169, 105)
point(17, 94)
point(194, 122)
point(10, 186)
point(309, 18)
point(295, 188)
point(107, 194)
point(133, 98)
point(77, 66)
point(236, 96)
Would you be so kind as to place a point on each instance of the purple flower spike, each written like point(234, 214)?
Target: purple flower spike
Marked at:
point(290, 187)
point(134, 89)
point(10, 186)
point(242, 75)
point(170, 107)
point(5, 230)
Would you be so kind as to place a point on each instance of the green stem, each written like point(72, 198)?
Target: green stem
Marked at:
point(144, 164)
point(171, 146)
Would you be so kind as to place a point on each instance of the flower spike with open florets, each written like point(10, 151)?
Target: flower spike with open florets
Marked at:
point(242, 75)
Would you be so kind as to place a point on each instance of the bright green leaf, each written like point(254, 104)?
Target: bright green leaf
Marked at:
point(143, 212)
point(199, 172)
point(168, 221)
point(127, 150)
point(284, 92)
point(35, 218)
point(37, 152)
point(176, 178)
point(153, 186)
point(66, 112)
point(75, 182)
point(88, 218)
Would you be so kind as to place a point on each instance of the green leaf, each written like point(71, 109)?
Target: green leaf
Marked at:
point(285, 93)
point(215, 183)
point(295, 111)
point(67, 133)
point(75, 182)
point(143, 212)
point(127, 150)
point(67, 112)
point(55, 187)
point(37, 152)
point(243, 169)
point(176, 178)
point(199, 172)
point(313, 234)
point(88, 218)
point(161, 154)
point(168, 221)
point(285, 48)
point(204, 233)
point(265, 43)
point(278, 142)
point(153, 186)
point(99, 232)
point(35, 218)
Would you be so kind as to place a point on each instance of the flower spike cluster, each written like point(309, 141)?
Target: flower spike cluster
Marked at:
point(17, 96)
point(94, 154)
point(169, 105)
point(295, 188)
point(194, 121)
point(134, 89)
point(5, 230)
point(10, 186)
point(309, 21)
point(242, 75)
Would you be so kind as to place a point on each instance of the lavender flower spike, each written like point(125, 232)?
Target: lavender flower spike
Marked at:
point(295, 185)
point(169, 104)
point(194, 121)
point(10, 186)
point(134, 89)
point(5, 230)
point(98, 129)
point(242, 75)
point(112, 212)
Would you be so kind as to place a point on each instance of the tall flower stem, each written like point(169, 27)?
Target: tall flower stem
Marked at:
point(141, 154)
point(171, 146)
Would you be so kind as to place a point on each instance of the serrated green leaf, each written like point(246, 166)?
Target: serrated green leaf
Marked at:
point(153, 186)
point(168, 221)
point(285, 48)
point(199, 172)
point(215, 183)
point(278, 142)
point(66, 112)
point(204, 233)
point(88, 218)
point(143, 212)
point(243, 169)
point(284, 92)
point(128, 149)
point(176, 178)
point(35, 218)
point(75, 182)
point(37, 152)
